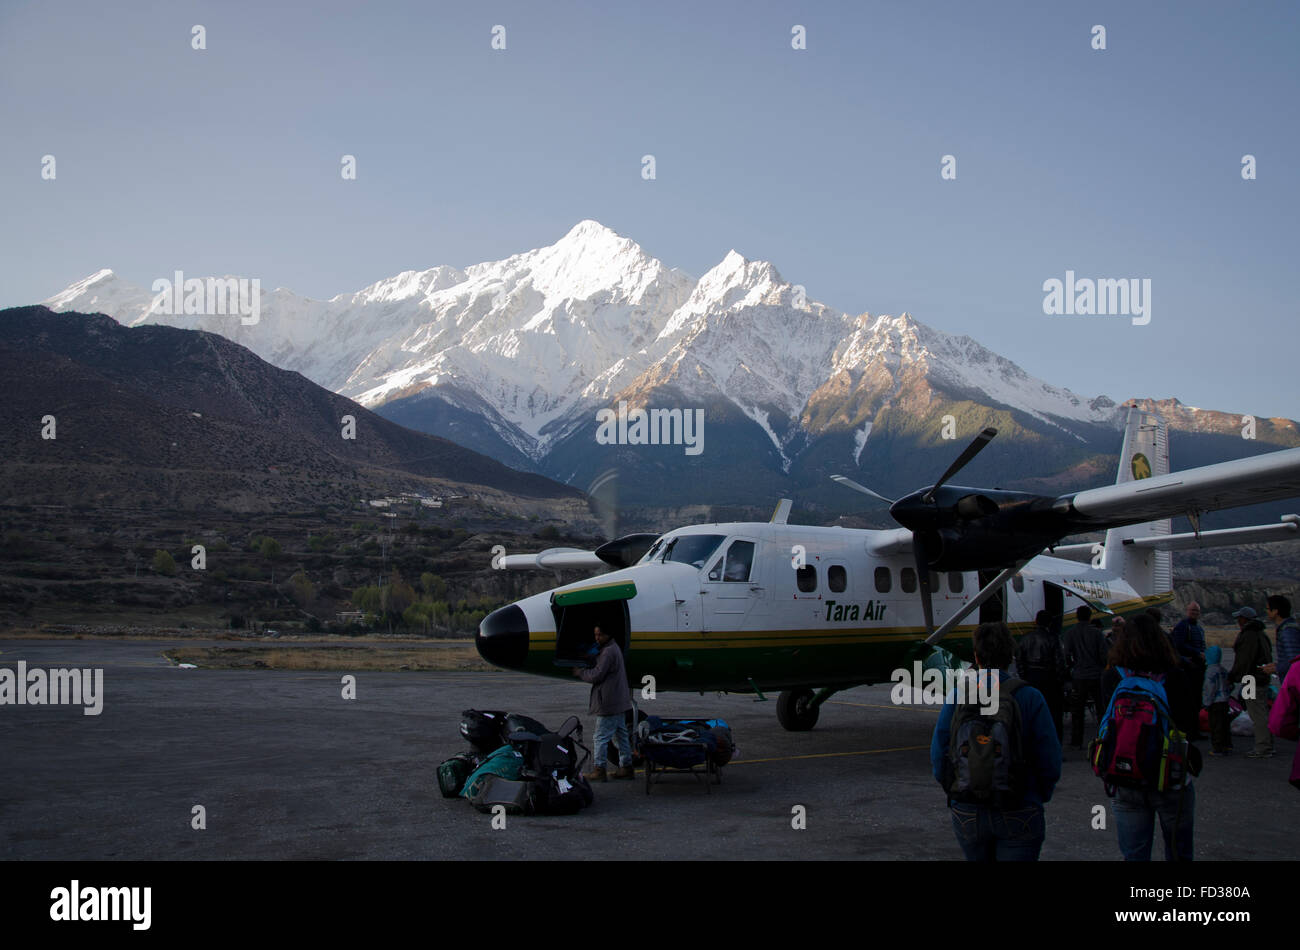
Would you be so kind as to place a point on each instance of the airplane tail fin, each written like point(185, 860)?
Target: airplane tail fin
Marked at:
point(1145, 455)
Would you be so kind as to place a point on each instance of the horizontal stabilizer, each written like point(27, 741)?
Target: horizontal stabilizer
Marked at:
point(1287, 529)
point(1084, 551)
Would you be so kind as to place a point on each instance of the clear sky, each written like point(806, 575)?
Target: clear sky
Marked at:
point(1116, 163)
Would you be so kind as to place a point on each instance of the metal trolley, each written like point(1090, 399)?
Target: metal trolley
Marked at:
point(700, 758)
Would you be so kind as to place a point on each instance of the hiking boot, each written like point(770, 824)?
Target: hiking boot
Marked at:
point(596, 775)
point(625, 771)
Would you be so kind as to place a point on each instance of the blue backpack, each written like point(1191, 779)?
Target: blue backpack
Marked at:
point(1139, 746)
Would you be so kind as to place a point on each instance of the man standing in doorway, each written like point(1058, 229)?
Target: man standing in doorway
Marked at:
point(610, 699)
point(1085, 655)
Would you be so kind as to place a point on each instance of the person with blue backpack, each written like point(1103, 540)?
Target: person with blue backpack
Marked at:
point(997, 765)
point(1142, 753)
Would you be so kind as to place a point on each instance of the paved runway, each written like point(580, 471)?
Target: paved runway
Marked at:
point(286, 768)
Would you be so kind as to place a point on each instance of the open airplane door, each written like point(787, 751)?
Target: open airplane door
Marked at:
point(1092, 598)
point(579, 611)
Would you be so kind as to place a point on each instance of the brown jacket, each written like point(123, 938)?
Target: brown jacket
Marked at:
point(1251, 650)
point(609, 693)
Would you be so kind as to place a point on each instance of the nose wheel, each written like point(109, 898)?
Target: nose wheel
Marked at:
point(796, 710)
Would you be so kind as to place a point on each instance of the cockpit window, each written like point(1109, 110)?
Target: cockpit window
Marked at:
point(740, 558)
point(693, 549)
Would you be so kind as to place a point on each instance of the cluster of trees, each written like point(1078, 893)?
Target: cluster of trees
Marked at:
point(428, 611)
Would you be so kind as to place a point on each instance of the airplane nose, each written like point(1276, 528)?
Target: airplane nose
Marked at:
point(502, 638)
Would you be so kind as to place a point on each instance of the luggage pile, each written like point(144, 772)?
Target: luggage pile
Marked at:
point(518, 763)
point(684, 745)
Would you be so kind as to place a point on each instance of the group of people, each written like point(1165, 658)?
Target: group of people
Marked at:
point(1179, 674)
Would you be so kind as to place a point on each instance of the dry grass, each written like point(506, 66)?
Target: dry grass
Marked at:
point(1222, 636)
point(341, 659)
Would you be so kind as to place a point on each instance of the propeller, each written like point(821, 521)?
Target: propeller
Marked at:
point(850, 483)
point(975, 448)
point(924, 517)
point(923, 580)
point(620, 550)
point(603, 493)
point(920, 513)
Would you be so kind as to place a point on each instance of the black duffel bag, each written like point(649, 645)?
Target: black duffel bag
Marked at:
point(484, 729)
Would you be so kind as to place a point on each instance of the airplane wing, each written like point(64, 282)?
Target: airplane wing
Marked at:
point(1269, 477)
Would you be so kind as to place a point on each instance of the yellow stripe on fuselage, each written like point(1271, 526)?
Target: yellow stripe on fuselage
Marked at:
point(540, 641)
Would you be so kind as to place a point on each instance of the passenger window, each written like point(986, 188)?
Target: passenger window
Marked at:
point(1018, 584)
point(740, 558)
point(955, 582)
point(806, 578)
point(907, 580)
point(884, 580)
point(837, 578)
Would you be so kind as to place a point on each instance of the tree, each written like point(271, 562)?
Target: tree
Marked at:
point(434, 587)
point(301, 589)
point(397, 596)
point(269, 548)
point(164, 563)
point(366, 599)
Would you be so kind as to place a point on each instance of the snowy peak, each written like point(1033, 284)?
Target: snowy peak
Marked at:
point(102, 292)
point(735, 281)
point(589, 234)
point(589, 261)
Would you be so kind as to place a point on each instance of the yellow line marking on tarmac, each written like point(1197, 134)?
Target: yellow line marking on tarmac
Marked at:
point(826, 755)
point(916, 708)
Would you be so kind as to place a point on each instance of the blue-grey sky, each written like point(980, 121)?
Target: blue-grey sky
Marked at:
point(1116, 163)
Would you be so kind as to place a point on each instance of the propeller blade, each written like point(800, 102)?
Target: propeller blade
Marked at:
point(923, 581)
point(972, 450)
point(850, 483)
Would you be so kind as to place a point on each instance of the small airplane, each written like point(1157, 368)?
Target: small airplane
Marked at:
point(810, 611)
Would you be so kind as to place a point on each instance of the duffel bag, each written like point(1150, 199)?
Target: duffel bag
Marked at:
point(484, 729)
point(515, 795)
point(505, 762)
point(453, 772)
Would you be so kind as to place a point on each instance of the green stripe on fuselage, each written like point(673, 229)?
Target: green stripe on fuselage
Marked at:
point(779, 659)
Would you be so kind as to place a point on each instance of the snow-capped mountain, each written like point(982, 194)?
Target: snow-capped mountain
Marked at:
point(515, 357)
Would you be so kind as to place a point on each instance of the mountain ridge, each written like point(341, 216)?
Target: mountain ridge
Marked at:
point(514, 358)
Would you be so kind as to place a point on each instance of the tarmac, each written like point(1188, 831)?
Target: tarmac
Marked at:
point(284, 767)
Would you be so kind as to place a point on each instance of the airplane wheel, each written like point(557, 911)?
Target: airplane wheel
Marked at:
point(795, 711)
